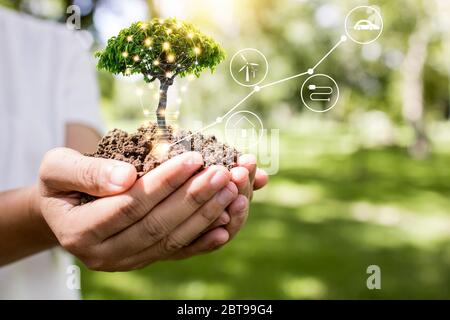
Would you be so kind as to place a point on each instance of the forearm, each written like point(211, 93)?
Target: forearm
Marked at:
point(23, 231)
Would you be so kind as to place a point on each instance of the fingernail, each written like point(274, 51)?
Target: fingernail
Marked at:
point(247, 159)
point(194, 158)
point(119, 175)
point(261, 172)
point(239, 173)
point(218, 180)
point(225, 196)
point(220, 237)
point(225, 219)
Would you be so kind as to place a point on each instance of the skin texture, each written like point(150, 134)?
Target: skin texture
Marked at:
point(170, 213)
point(23, 230)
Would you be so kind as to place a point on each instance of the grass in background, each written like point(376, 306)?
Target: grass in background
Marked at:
point(333, 209)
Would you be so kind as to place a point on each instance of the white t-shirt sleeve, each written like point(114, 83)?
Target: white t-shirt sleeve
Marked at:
point(81, 89)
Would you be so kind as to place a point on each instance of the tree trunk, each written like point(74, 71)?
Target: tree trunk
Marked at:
point(413, 100)
point(153, 9)
point(162, 105)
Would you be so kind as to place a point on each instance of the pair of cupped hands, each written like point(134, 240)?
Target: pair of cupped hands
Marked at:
point(172, 212)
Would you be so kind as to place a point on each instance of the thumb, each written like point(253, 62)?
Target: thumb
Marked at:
point(66, 170)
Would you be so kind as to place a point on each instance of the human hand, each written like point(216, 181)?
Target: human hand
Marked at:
point(247, 177)
point(136, 222)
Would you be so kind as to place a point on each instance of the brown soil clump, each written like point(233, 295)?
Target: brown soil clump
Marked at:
point(138, 149)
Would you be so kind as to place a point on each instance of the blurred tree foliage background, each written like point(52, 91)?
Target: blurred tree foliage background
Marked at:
point(366, 183)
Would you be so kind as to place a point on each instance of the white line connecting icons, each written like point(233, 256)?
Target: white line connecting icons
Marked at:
point(320, 92)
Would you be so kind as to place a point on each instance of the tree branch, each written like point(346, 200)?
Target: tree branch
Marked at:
point(150, 80)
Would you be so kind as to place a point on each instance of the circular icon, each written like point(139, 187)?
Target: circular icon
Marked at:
point(320, 93)
point(249, 67)
point(364, 24)
point(244, 129)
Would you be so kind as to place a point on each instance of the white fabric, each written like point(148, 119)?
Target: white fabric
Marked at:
point(46, 80)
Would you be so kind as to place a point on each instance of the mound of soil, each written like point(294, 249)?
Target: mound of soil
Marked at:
point(139, 149)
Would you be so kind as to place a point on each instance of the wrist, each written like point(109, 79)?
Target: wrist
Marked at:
point(34, 209)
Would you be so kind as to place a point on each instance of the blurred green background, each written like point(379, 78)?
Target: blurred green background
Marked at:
point(366, 183)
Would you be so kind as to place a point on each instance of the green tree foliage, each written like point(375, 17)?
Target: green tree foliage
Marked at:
point(160, 49)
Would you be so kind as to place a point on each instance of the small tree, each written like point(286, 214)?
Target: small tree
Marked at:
point(160, 49)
